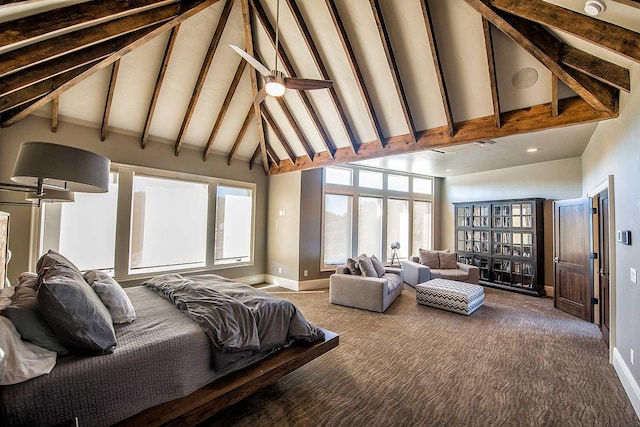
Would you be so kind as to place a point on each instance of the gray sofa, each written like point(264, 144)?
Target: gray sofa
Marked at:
point(413, 273)
point(367, 293)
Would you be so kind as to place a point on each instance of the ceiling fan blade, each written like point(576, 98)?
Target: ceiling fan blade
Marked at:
point(260, 96)
point(306, 84)
point(252, 61)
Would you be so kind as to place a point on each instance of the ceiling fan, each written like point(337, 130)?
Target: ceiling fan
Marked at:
point(275, 81)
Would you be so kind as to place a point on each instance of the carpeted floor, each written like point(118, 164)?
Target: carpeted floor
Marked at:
point(515, 362)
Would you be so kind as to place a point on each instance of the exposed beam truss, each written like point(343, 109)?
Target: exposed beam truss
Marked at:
point(491, 63)
point(55, 107)
point(241, 134)
point(109, 101)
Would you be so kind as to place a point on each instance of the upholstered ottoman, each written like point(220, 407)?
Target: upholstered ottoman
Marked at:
point(459, 297)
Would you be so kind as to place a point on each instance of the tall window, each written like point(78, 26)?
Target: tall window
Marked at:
point(168, 223)
point(422, 223)
point(370, 226)
point(87, 228)
point(234, 225)
point(398, 226)
point(337, 228)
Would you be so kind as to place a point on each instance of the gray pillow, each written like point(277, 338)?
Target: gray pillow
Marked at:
point(72, 309)
point(448, 260)
point(366, 266)
point(429, 258)
point(28, 279)
point(24, 314)
point(352, 266)
point(112, 296)
point(377, 265)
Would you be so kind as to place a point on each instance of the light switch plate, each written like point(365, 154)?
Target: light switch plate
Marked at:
point(634, 276)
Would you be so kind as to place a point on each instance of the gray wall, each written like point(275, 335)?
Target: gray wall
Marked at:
point(555, 180)
point(311, 226)
point(122, 149)
point(614, 150)
point(284, 225)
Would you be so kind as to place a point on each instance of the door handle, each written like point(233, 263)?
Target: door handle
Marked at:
point(556, 259)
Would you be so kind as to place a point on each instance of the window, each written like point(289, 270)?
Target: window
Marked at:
point(234, 225)
point(421, 225)
point(339, 176)
point(370, 179)
point(398, 226)
point(337, 228)
point(398, 183)
point(87, 228)
point(168, 224)
point(422, 186)
point(370, 226)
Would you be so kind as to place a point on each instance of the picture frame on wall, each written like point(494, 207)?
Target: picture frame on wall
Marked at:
point(4, 247)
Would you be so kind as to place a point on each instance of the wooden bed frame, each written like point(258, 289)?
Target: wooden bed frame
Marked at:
point(232, 388)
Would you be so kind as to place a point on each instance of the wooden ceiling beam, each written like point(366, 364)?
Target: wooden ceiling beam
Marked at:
point(188, 8)
point(18, 59)
point(109, 101)
point(315, 54)
point(632, 3)
point(393, 65)
point(253, 158)
point(70, 18)
point(204, 71)
point(55, 108)
point(531, 119)
point(290, 69)
point(355, 68)
point(37, 91)
point(241, 134)
point(273, 156)
point(278, 132)
point(223, 110)
point(493, 78)
point(604, 34)
point(173, 36)
point(248, 37)
point(545, 48)
point(605, 71)
point(446, 104)
point(54, 67)
point(555, 102)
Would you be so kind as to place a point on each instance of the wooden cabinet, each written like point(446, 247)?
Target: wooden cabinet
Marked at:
point(504, 238)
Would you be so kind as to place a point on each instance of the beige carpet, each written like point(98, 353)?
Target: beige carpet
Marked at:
point(515, 362)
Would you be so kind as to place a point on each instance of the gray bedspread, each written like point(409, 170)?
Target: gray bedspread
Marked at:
point(163, 355)
point(234, 316)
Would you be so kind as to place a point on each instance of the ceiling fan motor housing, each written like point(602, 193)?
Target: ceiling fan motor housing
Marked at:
point(275, 83)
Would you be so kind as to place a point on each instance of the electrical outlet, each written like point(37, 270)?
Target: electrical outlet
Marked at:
point(631, 356)
point(305, 273)
point(279, 269)
point(633, 275)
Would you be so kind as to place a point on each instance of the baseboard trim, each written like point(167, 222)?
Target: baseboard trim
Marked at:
point(628, 382)
point(294, 285)
point(312, 285)
point(281, 281)
point(549, 290)
point(251, 280)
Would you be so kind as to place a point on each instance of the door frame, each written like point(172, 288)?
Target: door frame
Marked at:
point(606, 184)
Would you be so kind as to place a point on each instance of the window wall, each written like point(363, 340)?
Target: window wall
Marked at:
point(365, 210)
point(152, 221)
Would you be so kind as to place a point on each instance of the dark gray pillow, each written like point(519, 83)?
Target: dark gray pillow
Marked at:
point(377, 265)
point(72, 308)
point(366, 266)
point(352, 266)
point(24, 314)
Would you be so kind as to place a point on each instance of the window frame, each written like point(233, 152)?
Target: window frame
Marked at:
point(385, 194)
point(122, 248)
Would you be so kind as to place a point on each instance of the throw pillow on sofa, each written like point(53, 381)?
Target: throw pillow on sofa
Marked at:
point(429, 258)
point(448, 261)
point(366, 266)
point(377, 265)
point(352, 266)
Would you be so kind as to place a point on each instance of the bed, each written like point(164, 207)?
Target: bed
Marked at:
point(165, 370)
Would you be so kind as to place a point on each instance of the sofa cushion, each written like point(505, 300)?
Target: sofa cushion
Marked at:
point(450, 273)
point(393, 281)
point(366, 266)
point(352, 266)
point(429, 258)
point(448, 260)
point(377, 265)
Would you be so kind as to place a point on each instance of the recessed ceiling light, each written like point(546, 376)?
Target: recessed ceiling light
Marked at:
point(532, 150)
point(448, 170)
point(524, 78)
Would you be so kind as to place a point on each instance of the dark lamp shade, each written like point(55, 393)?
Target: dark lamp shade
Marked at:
point(52, 196)
point(61, 167)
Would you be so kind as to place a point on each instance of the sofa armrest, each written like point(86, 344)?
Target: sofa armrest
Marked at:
point(414, 273)
point(472, 271)
point(394, 270)
point(357, 291)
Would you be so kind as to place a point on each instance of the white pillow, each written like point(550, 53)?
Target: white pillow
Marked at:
point(23, 360)
point(112, 296)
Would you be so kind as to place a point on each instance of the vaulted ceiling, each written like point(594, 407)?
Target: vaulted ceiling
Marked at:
point(408, 76)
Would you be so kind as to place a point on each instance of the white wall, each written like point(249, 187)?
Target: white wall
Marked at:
point(555, 180)
point(614, 149)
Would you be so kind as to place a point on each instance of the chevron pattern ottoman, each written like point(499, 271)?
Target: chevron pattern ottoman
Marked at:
point(459, 297)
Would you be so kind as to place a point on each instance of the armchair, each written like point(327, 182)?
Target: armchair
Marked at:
point(367, 293)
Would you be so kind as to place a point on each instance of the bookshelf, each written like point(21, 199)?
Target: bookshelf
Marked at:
point(504, 239)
